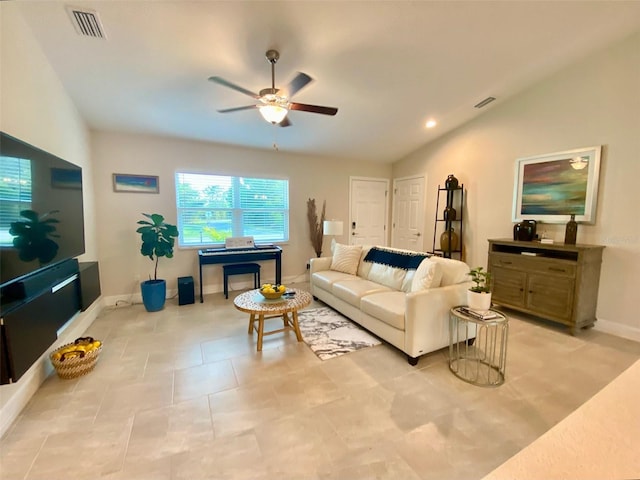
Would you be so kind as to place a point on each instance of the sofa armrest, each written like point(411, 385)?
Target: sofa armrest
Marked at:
point(320, 264)
point(427, 315)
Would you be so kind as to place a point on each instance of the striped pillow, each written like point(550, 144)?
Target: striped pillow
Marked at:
point(346, 258)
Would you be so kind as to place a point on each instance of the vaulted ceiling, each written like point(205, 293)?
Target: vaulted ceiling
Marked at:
point(388, 66)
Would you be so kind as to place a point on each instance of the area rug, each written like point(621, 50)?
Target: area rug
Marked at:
point(330, 335)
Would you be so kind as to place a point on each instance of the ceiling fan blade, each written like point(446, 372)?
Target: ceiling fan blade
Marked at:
point(298, 82)
point(285, 122)
point(226, 83)
point(237, 109)
point(313, 108)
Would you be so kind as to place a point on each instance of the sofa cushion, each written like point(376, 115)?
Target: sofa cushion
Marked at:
point(326, 278)
point(408, 281)
point(351, 290)
point(453, 271)
point(388, 307)
point(346, 258)
point(391, 266)
point(386, 275)
point(428, 275)
point(364, 267)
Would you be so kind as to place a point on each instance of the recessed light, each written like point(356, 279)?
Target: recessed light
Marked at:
point(431, 123)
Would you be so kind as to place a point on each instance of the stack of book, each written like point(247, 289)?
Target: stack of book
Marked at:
point(478, 315)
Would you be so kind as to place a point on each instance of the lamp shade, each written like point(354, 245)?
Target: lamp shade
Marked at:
point(273, 113)
point(332, 227)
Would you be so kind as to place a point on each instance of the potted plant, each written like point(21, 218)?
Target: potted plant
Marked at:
point(158, 239)
point(479, 296)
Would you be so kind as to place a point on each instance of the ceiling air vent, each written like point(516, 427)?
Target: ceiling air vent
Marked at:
point(484, 102)
point(86, 22)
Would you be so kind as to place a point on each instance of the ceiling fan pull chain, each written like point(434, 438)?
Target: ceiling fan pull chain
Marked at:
point(275, 137)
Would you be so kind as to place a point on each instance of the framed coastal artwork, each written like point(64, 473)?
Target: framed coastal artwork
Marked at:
point(123, 182)
point(552, 187)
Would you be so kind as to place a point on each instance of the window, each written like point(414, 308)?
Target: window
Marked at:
point(214, 207)
point(15, 194)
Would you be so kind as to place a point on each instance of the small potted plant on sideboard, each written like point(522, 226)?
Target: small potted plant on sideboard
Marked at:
point(479, 296)
point(158, 239)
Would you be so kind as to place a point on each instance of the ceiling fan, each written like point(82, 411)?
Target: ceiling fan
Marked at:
point(273, 103)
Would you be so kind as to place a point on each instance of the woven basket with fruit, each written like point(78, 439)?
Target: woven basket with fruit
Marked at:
point(76, 359)
point(272, 292)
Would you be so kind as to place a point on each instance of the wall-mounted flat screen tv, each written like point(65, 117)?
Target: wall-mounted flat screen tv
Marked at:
point(41, 213)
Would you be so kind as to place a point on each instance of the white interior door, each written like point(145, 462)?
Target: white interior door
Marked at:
point(408, 214)
point(369, 211)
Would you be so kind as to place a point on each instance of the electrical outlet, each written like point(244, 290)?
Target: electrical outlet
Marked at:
point(136, 277)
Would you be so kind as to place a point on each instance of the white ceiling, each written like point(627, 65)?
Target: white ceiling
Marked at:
point(388, 65)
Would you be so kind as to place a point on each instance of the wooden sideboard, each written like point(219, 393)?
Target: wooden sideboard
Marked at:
point(557, 282)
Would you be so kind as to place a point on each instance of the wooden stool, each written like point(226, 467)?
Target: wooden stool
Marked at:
point(240, 269)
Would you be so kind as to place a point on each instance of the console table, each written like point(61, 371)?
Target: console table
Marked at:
point(211, 256)
point(557, 282)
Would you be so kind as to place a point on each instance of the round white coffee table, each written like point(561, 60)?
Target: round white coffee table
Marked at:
point(260, 308)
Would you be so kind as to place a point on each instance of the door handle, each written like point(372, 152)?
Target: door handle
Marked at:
point(417, 234)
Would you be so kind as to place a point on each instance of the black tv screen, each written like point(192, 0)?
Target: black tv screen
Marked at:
point(41, 215)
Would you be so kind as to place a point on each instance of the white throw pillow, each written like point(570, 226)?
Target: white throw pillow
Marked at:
point(428, 275)
point(346, 258)
point(453, 271)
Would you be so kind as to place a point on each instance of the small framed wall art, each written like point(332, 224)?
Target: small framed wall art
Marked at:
point(123, 182)
point(550, 188)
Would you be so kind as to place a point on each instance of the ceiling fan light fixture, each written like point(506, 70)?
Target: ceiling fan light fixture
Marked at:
point(273, 113)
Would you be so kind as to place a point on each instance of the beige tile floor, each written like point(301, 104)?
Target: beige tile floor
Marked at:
point(183, 394)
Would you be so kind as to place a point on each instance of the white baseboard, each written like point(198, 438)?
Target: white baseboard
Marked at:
point(618, 329)
point(136, 298)
point(15, 396)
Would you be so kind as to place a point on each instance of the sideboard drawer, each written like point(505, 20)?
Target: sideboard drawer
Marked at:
point(544, 265)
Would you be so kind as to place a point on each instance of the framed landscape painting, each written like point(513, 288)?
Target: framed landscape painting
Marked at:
point(550, 188)
point(135, 183)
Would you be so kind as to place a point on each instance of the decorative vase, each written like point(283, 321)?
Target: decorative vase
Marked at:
point(451, 182)
point(571, 231)
point(449, 214)
point(525, 230)
point(449, 240)
point(479, 301)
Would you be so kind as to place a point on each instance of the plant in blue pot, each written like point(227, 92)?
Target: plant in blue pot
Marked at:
point(158, 239)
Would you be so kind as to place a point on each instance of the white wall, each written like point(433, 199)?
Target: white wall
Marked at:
point(119, 244)
point(594, 102)
point(35, 108)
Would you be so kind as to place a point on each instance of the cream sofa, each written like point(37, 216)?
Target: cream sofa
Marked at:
point(400, 296)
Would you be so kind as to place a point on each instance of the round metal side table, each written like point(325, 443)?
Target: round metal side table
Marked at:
point(481, 360)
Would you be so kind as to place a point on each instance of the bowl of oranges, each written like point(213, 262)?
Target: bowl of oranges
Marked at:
point(272, 292)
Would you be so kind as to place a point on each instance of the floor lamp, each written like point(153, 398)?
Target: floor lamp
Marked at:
point(333, 228)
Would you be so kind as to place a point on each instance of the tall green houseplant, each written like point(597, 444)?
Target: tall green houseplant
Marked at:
point(158, 240)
